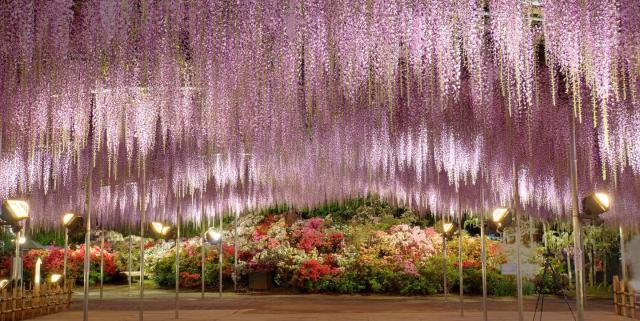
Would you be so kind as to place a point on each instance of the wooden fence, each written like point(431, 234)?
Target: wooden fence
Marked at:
point(21, 304)
point(625, 299)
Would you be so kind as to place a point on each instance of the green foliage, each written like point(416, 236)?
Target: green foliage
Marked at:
point(349, 283)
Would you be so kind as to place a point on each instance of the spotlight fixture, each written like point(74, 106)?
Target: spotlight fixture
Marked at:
point(160, 230)
point(55, 278)
point(212, 236)
point(500, 218)
point(14, 211)
point(594, 205)
point(72, 221)
point(448, 229)
point(4, 283)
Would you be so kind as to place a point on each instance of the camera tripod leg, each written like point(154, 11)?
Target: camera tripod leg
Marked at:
point(564, 295)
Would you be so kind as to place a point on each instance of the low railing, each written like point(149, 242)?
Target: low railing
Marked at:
point(22, 304)
point(625, 299)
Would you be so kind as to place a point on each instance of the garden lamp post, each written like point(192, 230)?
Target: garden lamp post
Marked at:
point(500, 218)
point(12, 213)
point(447, 231)
point(72, 223)
point(164, 231)
point(220, 256)
point(203, 224)
point(177, 303)
point(483, 255)
point(235, 251)
point(214, 237)
point(460, 266)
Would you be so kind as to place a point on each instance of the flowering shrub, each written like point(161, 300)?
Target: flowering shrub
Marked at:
point(313, 275)
point(53, 262)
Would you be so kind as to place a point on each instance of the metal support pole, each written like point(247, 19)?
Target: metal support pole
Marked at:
point(203, 223)
point(444, 265)
point(484, 256)
point(142, 222)
point(87, 245)
point(130, 261)
point(64, 264)
point(577, 225)
point(220, 254)
point(623, 256)
point(460, 267)
point(177, 307)
point(16, 262)
point(235, 253)
point(516, 213)
point(102, 263)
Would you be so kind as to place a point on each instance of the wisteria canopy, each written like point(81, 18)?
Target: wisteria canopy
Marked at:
point(229, 105)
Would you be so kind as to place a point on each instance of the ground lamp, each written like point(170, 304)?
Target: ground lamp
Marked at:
point(448, 229)
point(72, 223)
point(12, 213)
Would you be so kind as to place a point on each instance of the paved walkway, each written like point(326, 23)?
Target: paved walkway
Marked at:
point(159, 305)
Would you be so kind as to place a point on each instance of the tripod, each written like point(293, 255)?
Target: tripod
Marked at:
point(540, 288)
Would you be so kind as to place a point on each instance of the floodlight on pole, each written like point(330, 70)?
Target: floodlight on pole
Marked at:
point(594, 205)
point(448, 228)
point(160, 230)
point(55, 278)
point(14, 211)
point(74, 223)
point(213, 236)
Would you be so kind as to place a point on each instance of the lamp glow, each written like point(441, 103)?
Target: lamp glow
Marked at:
point(55, 278)
point(22, 240)
point(14, 211)
point(160, 229)
point(447, 228)
point(68, 218)
point(604, 199)
point(595, 204)
point(499, 214)
point(4, 283)
point(212, 236)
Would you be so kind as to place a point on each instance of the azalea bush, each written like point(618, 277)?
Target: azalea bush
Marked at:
point(53, 262)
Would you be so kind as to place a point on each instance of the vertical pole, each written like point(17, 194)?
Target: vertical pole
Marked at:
point(235, 253)
point(220, 255)
point(484, 256)
point(444, 264)
point(623, 256)
point(178, 259)
point(569, 269)
point(531, 227)
point(87, 245)
point(101, 263)
point(142, 222)
point(203, 221)
point(64, 264)
point(130, 261)
point(460, 267)
point(577, 225)
point(16, 262)
point(516, 213)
